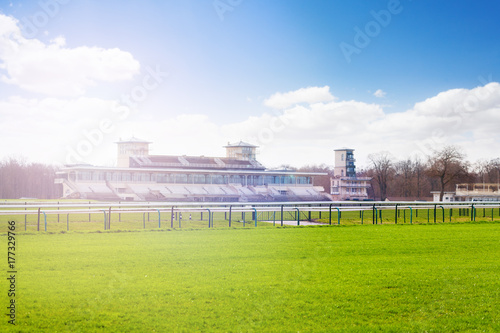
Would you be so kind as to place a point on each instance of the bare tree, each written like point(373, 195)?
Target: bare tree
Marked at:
point(404, 174)
point(447, 165)
point(382, 170)
point(20, 179)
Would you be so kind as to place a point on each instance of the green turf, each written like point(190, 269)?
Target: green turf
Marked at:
point(396, 278)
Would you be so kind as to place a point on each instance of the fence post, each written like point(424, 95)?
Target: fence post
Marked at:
point(38, 223)
point(209, 217)
point(396, 215)
point(172, 217)
point(330, 218)
point(442, 208)
point(281, 215)
point(109, 218)
point(45, 220)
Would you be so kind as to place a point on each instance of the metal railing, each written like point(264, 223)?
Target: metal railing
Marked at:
point(325, 213)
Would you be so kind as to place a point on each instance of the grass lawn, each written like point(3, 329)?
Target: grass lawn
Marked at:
point(396, 278)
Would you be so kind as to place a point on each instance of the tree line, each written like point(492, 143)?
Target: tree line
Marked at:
point(19, 179)
point(415, 178)
point(412, 178)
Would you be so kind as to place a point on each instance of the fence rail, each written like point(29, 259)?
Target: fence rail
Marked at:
point(282, 212)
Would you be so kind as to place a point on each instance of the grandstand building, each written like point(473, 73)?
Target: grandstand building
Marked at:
point(140, 176)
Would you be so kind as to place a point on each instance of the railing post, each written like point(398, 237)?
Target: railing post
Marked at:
point(396, 215)
point(330, 217)
point(338, 215)
point(109, 218)
point(255, 212)
point(230, 212)
point(209, 217)
point(172, 217)
point(38, 223)
point(281, 215)
point(373, 214)
point(159, 219)
point(298, 215)
point(45, 220)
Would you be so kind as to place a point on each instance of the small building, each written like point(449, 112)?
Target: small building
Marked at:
point(241, 151)
point(471, 192)
point(448, 196)
point(345, 185)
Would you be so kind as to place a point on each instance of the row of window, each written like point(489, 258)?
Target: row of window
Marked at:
point(182, 178)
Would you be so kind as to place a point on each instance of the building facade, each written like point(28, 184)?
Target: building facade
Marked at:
point(140, 176)
point(345, 185)
point(470, 192)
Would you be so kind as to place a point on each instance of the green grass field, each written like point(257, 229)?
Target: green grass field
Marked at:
point(391, 278)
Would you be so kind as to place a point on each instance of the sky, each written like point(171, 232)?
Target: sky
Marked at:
point(297, 78)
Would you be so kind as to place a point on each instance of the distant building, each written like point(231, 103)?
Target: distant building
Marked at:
point(129, 148)
point(140, 176)
point(471, 192)
point(241, 151)
point(345, 185)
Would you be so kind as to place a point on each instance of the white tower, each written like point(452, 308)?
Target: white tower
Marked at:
point(131, 147)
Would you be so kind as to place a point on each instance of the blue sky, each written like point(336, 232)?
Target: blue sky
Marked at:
point(275, 73)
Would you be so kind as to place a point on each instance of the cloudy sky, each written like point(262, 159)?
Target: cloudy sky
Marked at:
point(297, 78)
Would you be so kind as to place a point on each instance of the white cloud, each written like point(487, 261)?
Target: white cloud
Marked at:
point(299, 135)
point(379, 93)
point(304, 95)
point(56, 70)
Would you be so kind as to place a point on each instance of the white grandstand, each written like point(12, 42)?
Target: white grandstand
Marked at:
point(143, 177)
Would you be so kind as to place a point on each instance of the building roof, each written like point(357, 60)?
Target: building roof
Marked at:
point(193, 162)
point(67, 169)
point(133, 139)
point(342, 149)
point(240, 144)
